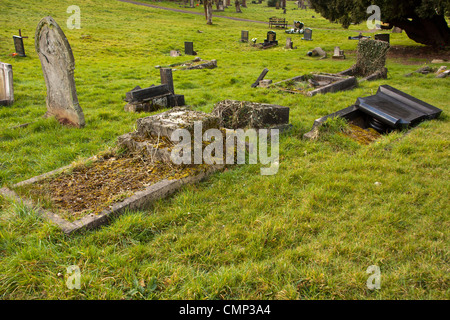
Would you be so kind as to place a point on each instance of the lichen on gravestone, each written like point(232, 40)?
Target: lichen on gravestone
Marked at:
point(371, 57)
point(58, 65)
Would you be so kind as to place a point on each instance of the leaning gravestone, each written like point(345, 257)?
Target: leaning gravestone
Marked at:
point(58, 66)
point(6, 84)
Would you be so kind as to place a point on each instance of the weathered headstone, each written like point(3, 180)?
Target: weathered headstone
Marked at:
point(382, 37)
point(307, 34)
point(174, 53)
point(244, 36)
point(6, 84)
point(289, 44)
point(189, 48)
point(338, 53)
point(58, 66)
point(397, 30)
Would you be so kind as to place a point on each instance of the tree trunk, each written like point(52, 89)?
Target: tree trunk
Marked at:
point(208, 11)
point(244, 3)
point(432, 31)
point(192, 3)
point(238, 6)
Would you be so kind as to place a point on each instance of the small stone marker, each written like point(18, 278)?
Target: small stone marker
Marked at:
point(6, 84)
point(397, 30)
point(58, 66)
point(189, 48)
point(317, 52)
point(289, 43)
point(338, 53)
point(261, 76)
point(382, 37)
point(18, 44)
point(265, 83)
point(244, 36)
point(307, 34)
point(174, 53)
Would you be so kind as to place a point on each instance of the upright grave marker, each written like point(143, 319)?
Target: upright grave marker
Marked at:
point(307, 34)
point(189, 48)
point(244, 36)
point(6, 84)
point(18, 44)
point(58, 65)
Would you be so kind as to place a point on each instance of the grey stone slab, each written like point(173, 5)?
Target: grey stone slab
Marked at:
point(164, 124)
point(58, 65)
point(6, 84)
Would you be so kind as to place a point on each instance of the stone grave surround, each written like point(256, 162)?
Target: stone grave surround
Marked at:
point(389, 109)
point(58, 65)
point(6, 84)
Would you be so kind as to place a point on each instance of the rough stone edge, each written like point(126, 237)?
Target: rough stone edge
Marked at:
point(138, 200)
point(63, 224)
point(329, 88)
point(314, 132)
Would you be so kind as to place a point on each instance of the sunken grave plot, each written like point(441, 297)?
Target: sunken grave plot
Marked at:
point(138, 171)
point(131, 176)
point(388, 110)
point(313, 84)
point(196, 64)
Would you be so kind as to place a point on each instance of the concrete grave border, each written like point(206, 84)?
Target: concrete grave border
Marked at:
point(139, 200)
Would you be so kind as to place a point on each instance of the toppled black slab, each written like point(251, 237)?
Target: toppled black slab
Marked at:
point(389, 109)
point(395, 109)
point(138, 95)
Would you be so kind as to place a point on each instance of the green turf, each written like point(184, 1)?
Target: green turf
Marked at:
point(308, 232)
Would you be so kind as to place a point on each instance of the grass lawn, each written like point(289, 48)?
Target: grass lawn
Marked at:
point(308, 232)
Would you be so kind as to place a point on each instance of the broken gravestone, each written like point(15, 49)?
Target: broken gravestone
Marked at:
point(58, 66)
point(389, 109)
point(154, 97)
point(317, 52)
point(370, 60)
point(235, 114)
point(6, 84)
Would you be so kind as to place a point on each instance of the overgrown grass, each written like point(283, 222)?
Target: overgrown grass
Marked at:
point(308, 232)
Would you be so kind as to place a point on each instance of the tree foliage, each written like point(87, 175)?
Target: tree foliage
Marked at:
point(423, 20)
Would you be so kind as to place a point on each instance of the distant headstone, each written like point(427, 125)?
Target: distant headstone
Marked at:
point(397, 30)
point(244, 36)
point(58, 66)
point(338, 53)
point(167, 78)
point(174, 53)
point(382, 37)
point(265, 83)
point(289, 44)
point(18, 45)
point(307, 34)
point(189, 48)
point(6, 84)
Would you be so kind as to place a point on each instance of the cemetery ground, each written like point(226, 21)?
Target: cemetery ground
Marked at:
point(334, 208)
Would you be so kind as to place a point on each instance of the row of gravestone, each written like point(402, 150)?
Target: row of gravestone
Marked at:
point(58, 66)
